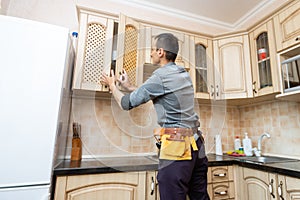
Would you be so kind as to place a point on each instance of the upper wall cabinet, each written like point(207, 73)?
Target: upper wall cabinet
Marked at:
point(232, 68)
point(94, 50)
point(201, 67)
point(263, 54)
point(287, 26)
point(183, 40)
point(130, 48)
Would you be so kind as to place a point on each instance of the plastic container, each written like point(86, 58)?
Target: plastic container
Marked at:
point(247, 145)
point(74, 40)
point(237, 143)
point(218, 143)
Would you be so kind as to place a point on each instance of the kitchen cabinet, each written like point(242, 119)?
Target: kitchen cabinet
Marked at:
point(220, 182)
point(265, 73)
point(287, 26)
point(201, 67)
point(94, 50)
point(264, 185)
point(130, 48)
point(130, 185)
point(183, 42)
point(106, 42)
point(232, 68)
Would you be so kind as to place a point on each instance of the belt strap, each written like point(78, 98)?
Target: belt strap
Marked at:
point(174, 131)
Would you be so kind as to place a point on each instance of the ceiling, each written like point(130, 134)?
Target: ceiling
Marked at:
point(227, 14)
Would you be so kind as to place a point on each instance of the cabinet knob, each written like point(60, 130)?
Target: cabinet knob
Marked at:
point(297, 38)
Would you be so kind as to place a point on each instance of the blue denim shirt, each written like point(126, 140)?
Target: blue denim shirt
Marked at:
point(171, 90)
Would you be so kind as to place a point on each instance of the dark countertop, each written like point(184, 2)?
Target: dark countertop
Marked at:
point(150, 163)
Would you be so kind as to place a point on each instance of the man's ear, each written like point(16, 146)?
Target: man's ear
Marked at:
point(160, 52)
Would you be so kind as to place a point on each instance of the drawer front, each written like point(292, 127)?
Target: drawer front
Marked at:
point(223, 190)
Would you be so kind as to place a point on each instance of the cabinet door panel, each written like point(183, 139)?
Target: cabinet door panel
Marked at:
point(271, 59)
point(287, 26)
point(232, 68)
point(94, 51)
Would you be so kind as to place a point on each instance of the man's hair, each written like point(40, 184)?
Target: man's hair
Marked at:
point(169, 43)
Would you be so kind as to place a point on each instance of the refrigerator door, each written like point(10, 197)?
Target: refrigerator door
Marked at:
point(26, 193)
point(31, 68)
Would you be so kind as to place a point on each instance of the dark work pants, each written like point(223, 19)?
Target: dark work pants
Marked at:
point(177, 179)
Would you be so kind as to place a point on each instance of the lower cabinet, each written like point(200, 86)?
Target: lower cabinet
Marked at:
point(269, 186)
point(221, 182)
point(125, 186)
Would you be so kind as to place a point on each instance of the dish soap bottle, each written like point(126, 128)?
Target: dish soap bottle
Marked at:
point(237, 143)
point(247, 144)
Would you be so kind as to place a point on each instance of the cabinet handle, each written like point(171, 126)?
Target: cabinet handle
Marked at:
point(279, 190)
point(271, 188)
point(254, 87)
point(220, 175)
point(222, 192)
point(152, 186)
point(212, 90)
point(217, 90)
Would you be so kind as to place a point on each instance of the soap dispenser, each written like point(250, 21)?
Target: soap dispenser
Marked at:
point(247, 144)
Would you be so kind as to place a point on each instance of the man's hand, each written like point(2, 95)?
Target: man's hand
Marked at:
point(124, 82)
point(108, 80)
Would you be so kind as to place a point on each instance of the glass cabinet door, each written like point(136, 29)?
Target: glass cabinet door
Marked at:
point(263, 57)
point(201, 68)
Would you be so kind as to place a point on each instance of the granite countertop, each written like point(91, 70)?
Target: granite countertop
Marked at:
point(150, 163)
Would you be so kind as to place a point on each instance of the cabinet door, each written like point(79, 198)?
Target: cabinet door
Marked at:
point(130, 48)
point(183, 40)
point(232, 68)
point(127, 186)
point(287, 26)
point(94, 51)
point(256, 185)
point(289, 187)
point(264, 66)
point(201, 67)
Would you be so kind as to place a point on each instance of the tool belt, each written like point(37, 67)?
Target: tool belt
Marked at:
point(176, 143)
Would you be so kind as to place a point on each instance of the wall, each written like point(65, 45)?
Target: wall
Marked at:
point(109, 131)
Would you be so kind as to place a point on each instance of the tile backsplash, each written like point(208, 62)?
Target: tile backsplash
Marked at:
point(106, 130)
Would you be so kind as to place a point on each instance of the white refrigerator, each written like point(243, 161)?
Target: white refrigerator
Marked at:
point(36, 61)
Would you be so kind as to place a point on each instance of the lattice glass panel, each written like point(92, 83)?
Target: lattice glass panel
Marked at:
point(94, 53)
point(130, 52)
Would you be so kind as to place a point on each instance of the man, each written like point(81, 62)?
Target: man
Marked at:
point(182, 162)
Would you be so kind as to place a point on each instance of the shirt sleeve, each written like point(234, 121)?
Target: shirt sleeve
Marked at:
point(151, 89)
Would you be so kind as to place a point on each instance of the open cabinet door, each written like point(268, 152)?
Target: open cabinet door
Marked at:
point(94, 50)
point(130, 48)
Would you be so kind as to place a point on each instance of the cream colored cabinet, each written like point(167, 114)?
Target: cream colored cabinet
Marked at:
point(265, 72)
point(288, 188)
point(220, 182)
point(232, 68)
point(269, 186)
point(287, 26)
point(106, 42)
point(94, 50)
point(257, 184)
point(130, 48)
point(183, 41)
point(201, 67)
point(131, 186)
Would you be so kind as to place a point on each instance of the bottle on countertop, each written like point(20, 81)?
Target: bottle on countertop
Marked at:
point(237, 143)
point(247, 144)
point(76, 153)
